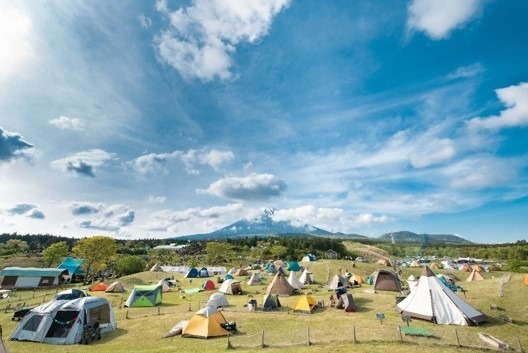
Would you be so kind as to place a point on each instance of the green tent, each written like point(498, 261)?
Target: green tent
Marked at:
point(144, 296)
point(271, 302)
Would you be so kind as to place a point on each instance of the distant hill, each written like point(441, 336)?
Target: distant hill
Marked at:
point(264, 225)
point(410, 237)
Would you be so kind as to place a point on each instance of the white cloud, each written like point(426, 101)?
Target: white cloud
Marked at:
point(83, 163)
point(102, 217)
point(467, 71)
point(12, 146)
point(16, 30)
point(25, 209)
point(158, 163)
point(433, 152)
point(515, 98)
point(252, 187)
point(156, 199)
point(65, 123)
point(203, 35)
point(439, 17)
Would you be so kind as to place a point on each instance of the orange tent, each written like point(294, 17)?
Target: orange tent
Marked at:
point(526, 280)
point(99, 287)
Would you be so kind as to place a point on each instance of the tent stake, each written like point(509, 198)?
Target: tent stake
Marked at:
point(354, 327)
point(520, 345)
point(458, 340)
point(308, 336)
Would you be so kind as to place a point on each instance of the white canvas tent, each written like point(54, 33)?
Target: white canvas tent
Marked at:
point(432, 300)
point(306, 277)
point(294, 281)
point(255, 279)
point(338, 281)
point(230, 286)
point(62, 321)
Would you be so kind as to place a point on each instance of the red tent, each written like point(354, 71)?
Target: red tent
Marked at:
point(208, 285)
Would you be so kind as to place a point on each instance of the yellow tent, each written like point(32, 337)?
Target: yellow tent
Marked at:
point(305, 304)
point(357, 278)
point(206, 323)
point(434, 266)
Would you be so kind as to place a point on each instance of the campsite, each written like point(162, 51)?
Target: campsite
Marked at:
point(326, 328)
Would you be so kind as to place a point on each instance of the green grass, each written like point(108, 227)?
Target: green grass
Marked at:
point(330, 329)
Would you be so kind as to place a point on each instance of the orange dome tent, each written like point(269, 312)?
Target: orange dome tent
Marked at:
point(101, 287)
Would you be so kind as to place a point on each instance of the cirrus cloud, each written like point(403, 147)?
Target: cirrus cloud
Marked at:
point(65, 123)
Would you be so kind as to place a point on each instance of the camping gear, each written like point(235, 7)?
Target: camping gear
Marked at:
point(338, 281)
point(91, 332)
point(294, 281)
point(305, 304)
point(271, 302)
point(217, 300)
point(475, 276)
point(294, 266)
point(116, 287)
point(280, 286)
point(208, 285)
point(432, 300)
point(99, 287)
point(231, 286)
point(386, 280)
point(307, 277)
point(31, 277)
point(255, 279)
point(207, 322)
point(144, 296)
point(347, 303)
point(63, 321)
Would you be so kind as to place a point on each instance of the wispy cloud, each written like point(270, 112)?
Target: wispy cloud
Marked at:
point(65, 123)
point(252, 187)
point(515, 98)
point(205, 34)
point(83, 163)
point(439, 17)
point(13, 146)
point(16, 29)
point(156, 199)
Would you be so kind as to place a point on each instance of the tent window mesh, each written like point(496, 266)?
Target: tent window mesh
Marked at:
point(100, 314)
point(33, 323)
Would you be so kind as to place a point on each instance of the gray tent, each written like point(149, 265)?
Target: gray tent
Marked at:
point(386, 280)
point(346, 302)
point(271, 302)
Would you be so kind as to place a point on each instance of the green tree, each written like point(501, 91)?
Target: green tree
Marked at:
point(128, 265)
point(96, 252)
point(17, 245)
point(217, 252)
point(55, 253)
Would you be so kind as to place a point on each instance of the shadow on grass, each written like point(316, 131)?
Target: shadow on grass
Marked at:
point(109, 336)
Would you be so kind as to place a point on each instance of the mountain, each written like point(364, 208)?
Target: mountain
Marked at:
point(265, 225)
point(410, 237)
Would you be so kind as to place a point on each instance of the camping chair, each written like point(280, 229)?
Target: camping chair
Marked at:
point(91, 332)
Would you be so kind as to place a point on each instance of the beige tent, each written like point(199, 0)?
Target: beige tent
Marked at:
point(477, 268)
point(255, 279)
point(230, 286)
point(414, 264)
point(338, 282)
point(357, 278)
point(206, 323)
point(241, 272)
point(434, 266)
point(164, 286)
point(384, 262)
point(386, 280)
point(346, 302)
point(116, 287)
point(307, 277)
point(475, 276)
point(280, 286)
point(466, 268)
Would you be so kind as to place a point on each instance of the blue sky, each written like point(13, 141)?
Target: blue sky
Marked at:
point(158, 119)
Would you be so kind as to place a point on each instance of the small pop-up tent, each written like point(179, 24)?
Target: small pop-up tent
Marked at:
point(346, 302)
point(432, 300)
point(241, 272)
point(384, 262)
point(116, 287)
point(206, 323)
point(294, 281)
point(294, 266)
point(338, 281)
point(192, 273)
point(305, 304)
point(218, 300)
point(280, 286)
point(164, 286)
point(203, 272)
point(99, 287)
point(465, 268)
point(230, 286)
point(271, 302)
point(307, 277)
point(62, 321)
point(208, 285)
point(356, 279)
point(144, 296)
point(255, 279)
point(386, 280)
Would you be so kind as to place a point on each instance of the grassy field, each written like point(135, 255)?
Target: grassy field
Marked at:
point(329, 329)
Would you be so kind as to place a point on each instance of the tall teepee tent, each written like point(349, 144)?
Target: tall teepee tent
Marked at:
point(280, 286)
point(294, 281)
point(474, 276)
point(432, 300)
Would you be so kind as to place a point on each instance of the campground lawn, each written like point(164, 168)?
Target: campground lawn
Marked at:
point(328, 329)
